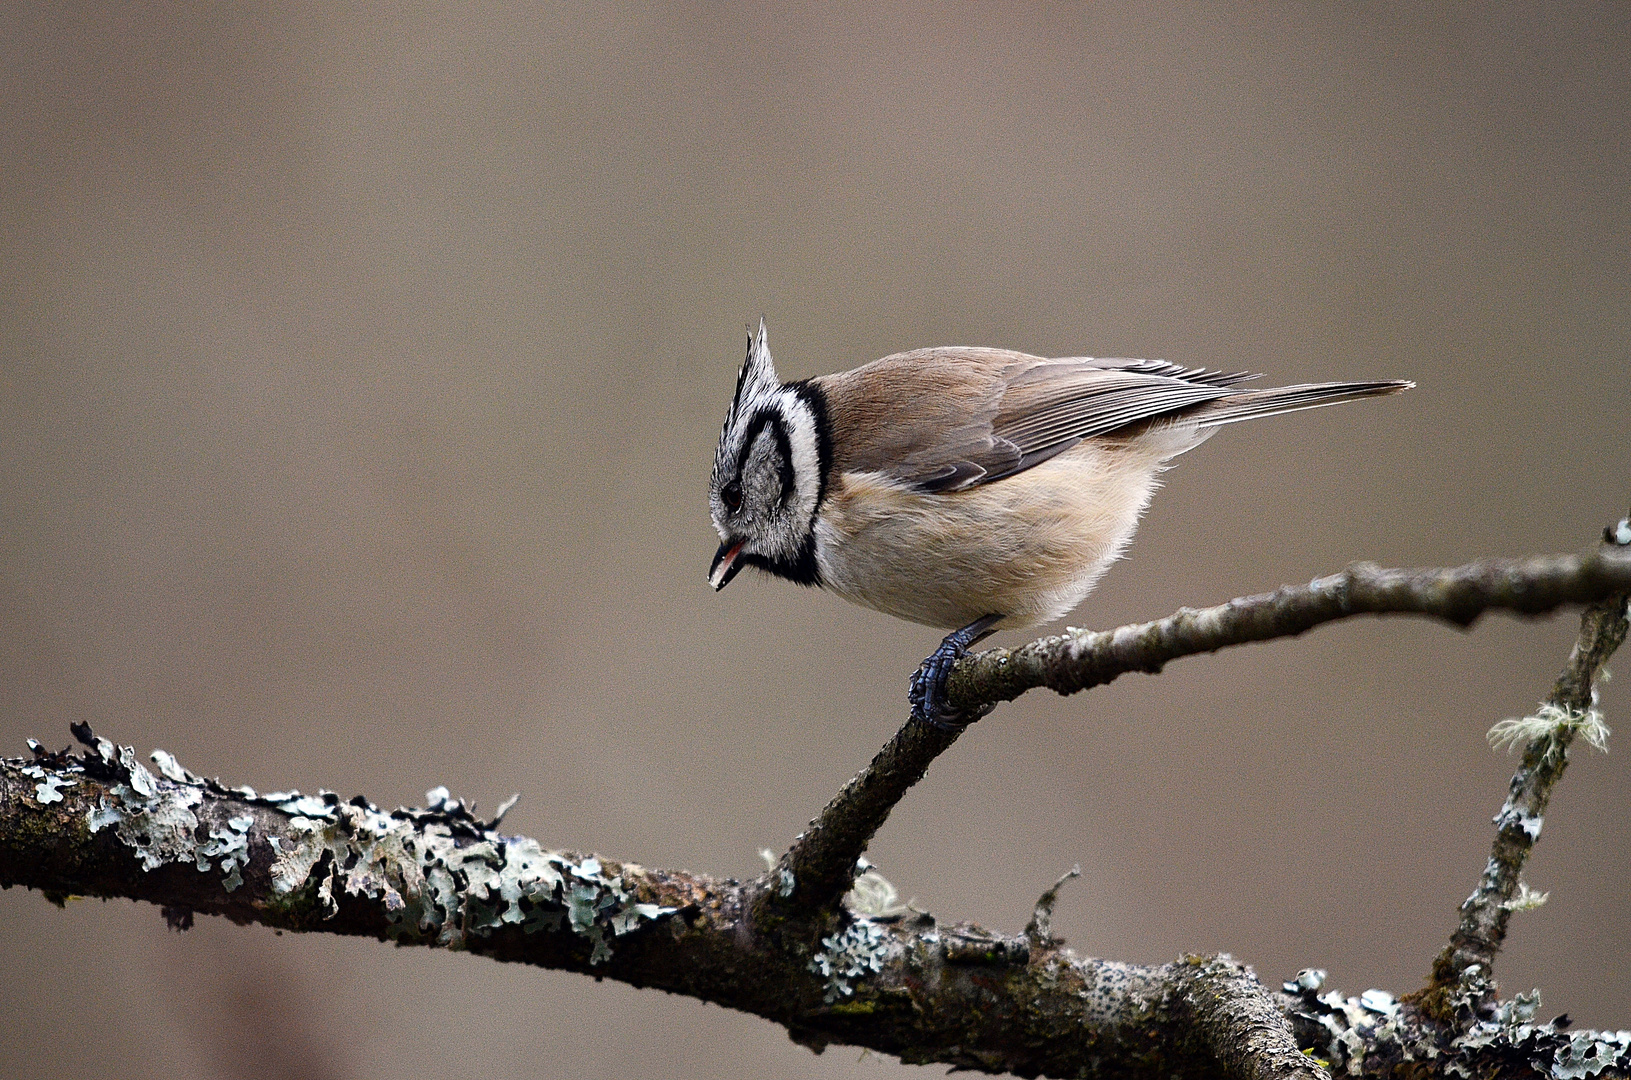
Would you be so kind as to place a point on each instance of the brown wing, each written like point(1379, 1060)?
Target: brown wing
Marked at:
point(951, 418)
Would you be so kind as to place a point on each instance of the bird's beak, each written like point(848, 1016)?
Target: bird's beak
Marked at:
point(726, 564)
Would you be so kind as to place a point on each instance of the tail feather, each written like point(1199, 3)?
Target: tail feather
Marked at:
point(1252, 404)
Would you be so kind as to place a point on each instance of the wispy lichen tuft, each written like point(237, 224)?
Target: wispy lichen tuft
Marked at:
point(873, 896)
point(1527, 899)
point(1549, 722)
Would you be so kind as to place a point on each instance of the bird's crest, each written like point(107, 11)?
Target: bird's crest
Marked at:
point(757, 379)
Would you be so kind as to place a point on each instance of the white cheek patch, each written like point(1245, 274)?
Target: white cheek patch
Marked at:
point(802, 438)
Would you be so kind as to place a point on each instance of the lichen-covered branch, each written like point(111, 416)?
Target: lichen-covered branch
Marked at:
point(817, 869)
point(102, 824)
point(865, 972)
point(1546, 737)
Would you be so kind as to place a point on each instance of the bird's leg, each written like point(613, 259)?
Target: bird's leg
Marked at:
point(928, 694)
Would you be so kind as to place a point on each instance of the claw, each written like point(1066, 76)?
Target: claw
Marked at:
point(928, 693)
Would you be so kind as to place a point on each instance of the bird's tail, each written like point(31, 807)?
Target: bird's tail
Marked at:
point(1252, 404)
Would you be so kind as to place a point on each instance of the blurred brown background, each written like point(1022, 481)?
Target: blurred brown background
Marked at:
point(360, 374)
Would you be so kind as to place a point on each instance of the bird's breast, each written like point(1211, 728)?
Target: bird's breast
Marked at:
point(1028, 547)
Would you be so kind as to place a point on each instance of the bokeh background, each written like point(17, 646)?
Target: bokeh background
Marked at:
point(360, 372)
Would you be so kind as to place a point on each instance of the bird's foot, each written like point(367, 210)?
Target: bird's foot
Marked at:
point(928, 693)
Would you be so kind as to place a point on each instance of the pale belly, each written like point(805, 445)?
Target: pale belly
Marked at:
point(1029, 547)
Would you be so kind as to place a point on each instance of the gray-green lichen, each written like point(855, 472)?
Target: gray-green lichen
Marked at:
point(1550, 1051)
point(434, 886)
point(1592, 1053)
point(49, 788)
point(154, 817)
point(440, 875)
point(1353, 1026)
point(1374, 1024)
point(231, 845)
point(860, 949)
point(783, 877)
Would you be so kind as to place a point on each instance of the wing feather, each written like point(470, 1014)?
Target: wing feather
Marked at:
point(948, 419)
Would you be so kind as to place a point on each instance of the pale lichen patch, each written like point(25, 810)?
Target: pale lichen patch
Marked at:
point(50, 786)
point(440, 875)
point(859, 950)
point(158, 822)
point(231, 846)
point(1523, 820)
point(1592, 1053)
point(439, 886)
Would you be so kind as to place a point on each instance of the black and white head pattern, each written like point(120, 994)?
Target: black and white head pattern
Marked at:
point(770, 471)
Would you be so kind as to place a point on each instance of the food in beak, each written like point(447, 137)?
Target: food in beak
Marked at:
point(725, 564)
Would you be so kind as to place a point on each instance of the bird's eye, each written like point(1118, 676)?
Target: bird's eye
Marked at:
point(731, 495)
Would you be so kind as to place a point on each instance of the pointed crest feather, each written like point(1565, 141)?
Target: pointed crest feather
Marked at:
point(757, 379)
point(758, 372)
point(756, 384)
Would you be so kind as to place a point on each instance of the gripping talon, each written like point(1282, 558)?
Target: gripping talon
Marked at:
point(928, 692)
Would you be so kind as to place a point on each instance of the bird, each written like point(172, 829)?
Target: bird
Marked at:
point(964, 488)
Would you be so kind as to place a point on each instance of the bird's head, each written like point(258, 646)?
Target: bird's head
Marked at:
point(768, 474)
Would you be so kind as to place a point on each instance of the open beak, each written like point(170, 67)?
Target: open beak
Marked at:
point(726, 564)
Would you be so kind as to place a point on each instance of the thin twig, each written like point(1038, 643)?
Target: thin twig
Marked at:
point(1569, 710)
point(1081, 659)
point(1040, 929)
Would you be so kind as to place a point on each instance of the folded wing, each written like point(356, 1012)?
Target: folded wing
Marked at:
point(957, 418)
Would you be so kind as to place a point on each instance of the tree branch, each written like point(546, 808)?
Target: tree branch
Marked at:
point(101, 824)
point(1081, 659)
point(819, 866)
point(926, 991)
